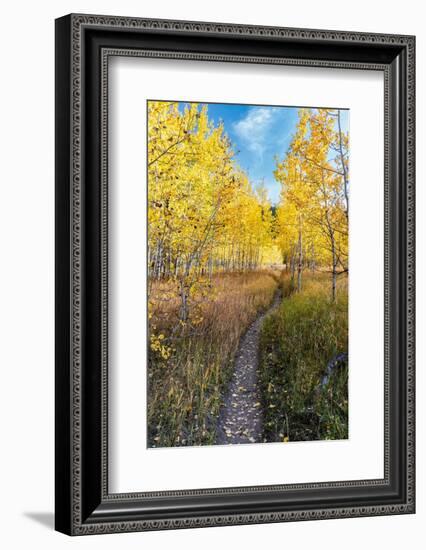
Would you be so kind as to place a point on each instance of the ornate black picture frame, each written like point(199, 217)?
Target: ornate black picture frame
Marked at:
point(83, 45)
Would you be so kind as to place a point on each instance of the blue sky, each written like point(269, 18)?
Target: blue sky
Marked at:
point(259, 133)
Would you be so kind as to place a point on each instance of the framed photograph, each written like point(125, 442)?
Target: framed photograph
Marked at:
point(234, 274)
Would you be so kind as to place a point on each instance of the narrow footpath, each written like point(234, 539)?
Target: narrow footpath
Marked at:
point(241, 416)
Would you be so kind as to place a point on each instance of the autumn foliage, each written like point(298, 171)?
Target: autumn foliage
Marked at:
point(314, 209)
point(203, 216)
point(217, 247)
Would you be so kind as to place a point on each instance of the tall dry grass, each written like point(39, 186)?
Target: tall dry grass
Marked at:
point(184, 389)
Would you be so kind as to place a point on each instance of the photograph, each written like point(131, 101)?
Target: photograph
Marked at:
point(247, 273)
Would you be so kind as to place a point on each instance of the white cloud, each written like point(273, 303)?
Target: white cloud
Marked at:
point(253, 128)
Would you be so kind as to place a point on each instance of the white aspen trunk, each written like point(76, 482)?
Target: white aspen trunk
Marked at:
point(300, 260)
point(342, 159)
point(334, 271)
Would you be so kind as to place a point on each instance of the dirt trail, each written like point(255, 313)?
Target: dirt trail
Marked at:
point(240, 419)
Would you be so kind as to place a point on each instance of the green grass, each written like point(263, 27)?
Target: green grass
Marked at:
point(297, 342)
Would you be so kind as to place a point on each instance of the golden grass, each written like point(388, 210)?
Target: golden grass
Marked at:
point(184, 390)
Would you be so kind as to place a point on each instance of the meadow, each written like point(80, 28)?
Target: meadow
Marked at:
point(297, 342)
point(186, 388)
